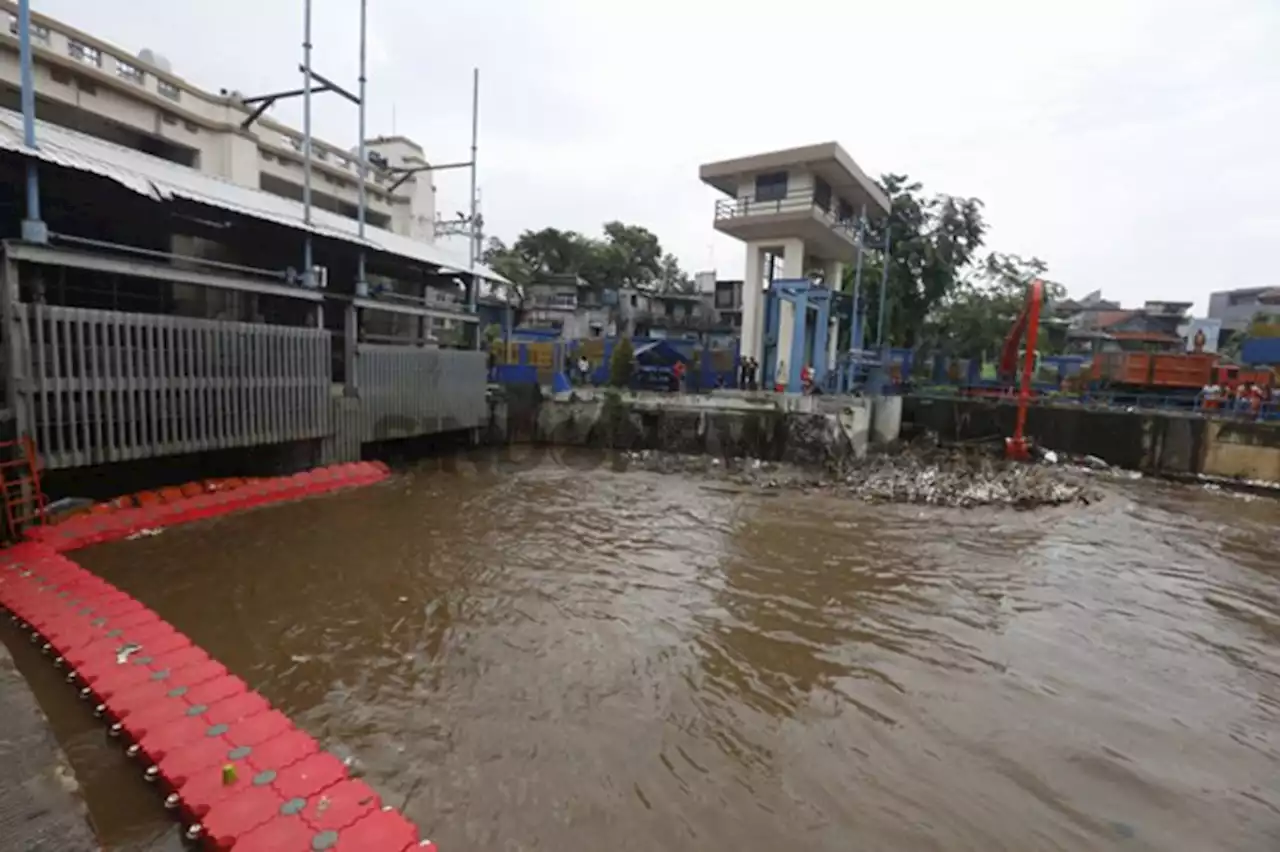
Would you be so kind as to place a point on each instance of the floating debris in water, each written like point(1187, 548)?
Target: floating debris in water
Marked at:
point(125, 651)
point(962, 478)
point(923, 475)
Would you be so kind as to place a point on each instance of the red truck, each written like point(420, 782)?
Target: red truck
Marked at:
point(1173, 372)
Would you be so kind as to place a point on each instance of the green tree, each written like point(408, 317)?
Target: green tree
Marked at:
point(620, 363)
point(934, 239)
point(975, 317)
point(672, 278)
point(626, 256)
point(514, 267)
point(630, 256)
point(552, 251)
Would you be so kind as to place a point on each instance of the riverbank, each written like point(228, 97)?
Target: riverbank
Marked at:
point(40, 805)
point(1181, 445)
point(792, 428)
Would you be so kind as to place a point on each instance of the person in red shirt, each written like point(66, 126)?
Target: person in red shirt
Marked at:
point(677, 376)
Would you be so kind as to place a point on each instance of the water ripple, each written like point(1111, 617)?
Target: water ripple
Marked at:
point(559, 657)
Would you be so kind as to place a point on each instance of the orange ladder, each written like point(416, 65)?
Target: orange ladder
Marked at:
point(20, 485)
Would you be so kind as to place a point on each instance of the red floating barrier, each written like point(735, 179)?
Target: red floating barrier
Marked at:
point(283, 834)
point(253, 805)
point(211, 754)
point(235, 766)
point(218, 689)
point(281, 752)
point(237, 707)
point(310, 776)
point(340, 806)
point(258, 729)
point(380, 830)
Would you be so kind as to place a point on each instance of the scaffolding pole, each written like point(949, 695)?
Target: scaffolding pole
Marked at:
point(307, 260)
point(884, 285)
point(33, 226)
point(855, 341)
point(474, 252)
point(361, 284)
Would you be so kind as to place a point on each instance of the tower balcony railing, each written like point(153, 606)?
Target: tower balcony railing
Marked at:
point(797, 201)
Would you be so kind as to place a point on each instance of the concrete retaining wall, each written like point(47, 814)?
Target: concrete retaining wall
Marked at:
point(1156, 442)
point(766, 426)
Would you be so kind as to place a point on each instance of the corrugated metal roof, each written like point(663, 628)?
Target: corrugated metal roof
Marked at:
point(163, 180)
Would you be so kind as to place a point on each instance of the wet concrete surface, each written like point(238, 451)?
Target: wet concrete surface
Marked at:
point(40, 805)
point(560, 655)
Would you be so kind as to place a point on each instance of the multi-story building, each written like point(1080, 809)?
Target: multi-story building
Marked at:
point(726, 301)
point(567, 305)
point(1237, 308)
point(681, 315)
point(797, 213)
point(174, 235)
point(140, 102)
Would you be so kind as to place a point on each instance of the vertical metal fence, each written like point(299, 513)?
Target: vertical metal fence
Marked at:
point(406, 391)
point(105, 386)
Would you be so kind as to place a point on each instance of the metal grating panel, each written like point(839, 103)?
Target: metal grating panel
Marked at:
point(406, 391)
point(105, 386)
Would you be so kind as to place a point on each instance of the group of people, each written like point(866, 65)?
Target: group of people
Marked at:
point(748, 375)
point(1245, 398)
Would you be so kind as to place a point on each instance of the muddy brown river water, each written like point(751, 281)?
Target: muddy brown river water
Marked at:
point(569, 659)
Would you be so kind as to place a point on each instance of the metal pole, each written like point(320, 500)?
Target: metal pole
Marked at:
point(474, 253)
point(361, 286)
point(307, 262)
point(855, 341)
point(475, 134)
point(33, 227)
point(884, 284)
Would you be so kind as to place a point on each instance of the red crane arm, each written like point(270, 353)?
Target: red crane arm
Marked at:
point(1029, 319)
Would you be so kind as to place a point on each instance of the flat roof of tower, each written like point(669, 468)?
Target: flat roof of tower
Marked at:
point(827, 160)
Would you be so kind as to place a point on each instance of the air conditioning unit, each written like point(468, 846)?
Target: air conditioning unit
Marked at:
point(320, 277)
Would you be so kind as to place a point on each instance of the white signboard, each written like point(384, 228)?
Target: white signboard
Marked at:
point(1200, 334)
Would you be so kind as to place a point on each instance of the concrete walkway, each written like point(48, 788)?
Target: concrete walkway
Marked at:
point(40, 808)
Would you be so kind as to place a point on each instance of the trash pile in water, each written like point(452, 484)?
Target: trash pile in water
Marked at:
point(918, 473)
point(962, 478)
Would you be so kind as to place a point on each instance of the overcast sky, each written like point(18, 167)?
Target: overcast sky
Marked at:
point(1133, 144)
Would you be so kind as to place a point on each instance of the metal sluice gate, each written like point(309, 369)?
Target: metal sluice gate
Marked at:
point(237, 771)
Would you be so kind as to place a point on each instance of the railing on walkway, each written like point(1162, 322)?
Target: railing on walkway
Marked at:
point(106, 386)
point(406, 391)
point(796, 201)
point(1119, 401)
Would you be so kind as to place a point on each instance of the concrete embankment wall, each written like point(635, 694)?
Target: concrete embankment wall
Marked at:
point(1155, 442)
point(801, 430)
point(40, 806)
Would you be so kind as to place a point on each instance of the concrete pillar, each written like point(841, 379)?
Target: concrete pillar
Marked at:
point(792, 267)
point(886, 419)
point(854, 421)
point(793, 259)
point(240, 163)
point(752, 303)
point(350, 341)
point(833, 274)
point(833, 332)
